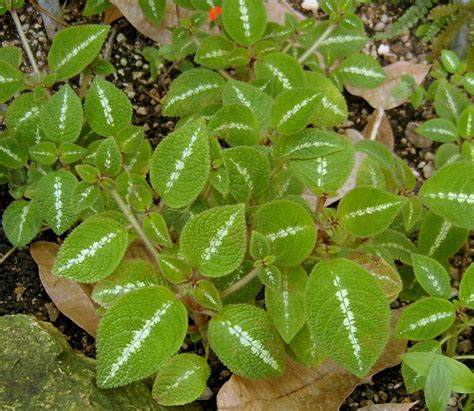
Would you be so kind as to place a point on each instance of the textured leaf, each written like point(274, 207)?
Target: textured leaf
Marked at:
point(12, 155)
point(92, 251)
point(288, 228)
point(426, 318)
point(449, 101)
point(180, 165)
point(366, 211)
point(438, 386)
point(214, 52)
point(378, 152)
point(362, 71)
point(174, 268)
point(466, 288)
point(285, 304)
point(44, 153)
point(138, 335)
point(348, 314)
point(11, 81)
point(207, 295)
point(108, 158)
point(283, 69)
point(181, 380)
point(450, 194)
point(411, 212)
point(85, 195)
point(55, 200)
point(22, 222)
point(215, 241)
point(107, 108)
point(11, 55)
point(244, 20)
point(154, 10)
point(304, 349)
point(468, 83)
point(271, 277)
point(397, 244)
point(192, 91)
point(74, 48)
point(259, 246)
point(70, 153)
point(431, 275)
point(245, 340)
point(438, 129)
point(155, 227)
point(94, 7)
point(466, 122)
point(450, 61)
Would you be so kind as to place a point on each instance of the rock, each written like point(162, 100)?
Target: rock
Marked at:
point(464, 347)
point(416, 139)
point(428, 170)
point(39, 370)
point(380, 26)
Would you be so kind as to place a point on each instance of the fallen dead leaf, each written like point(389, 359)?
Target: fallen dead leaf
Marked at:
point(321, 389)
point(389, 407)
point(112, 14)
point(52, 26)
point(378, 128)
point(71, 298)
point(382, 96)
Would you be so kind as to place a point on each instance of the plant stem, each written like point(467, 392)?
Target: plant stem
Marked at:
point(86, 79)
point(463, 357)
point(469, 405)
point(225, 75)
point(242, 282)
point(24, 40)
point(7, 254)
point(317, 43)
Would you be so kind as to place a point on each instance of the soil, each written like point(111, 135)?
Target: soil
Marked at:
point(21, 290)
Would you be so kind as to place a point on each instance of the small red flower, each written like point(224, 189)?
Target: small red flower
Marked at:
point(215, 12)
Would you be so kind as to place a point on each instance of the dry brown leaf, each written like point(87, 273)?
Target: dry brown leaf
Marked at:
point(378, 128)
point(382, 96)
point(52, 26)
point(112, 14)
point(71, 298)
point(321, 389)
point(389, 407)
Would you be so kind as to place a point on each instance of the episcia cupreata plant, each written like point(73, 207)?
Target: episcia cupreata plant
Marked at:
point(233, 202)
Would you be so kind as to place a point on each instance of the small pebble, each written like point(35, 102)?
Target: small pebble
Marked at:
point(428, 170)
point(380, 26)
point(121, 38)
point(416, 139)
point(123, 62)
point(464, 347)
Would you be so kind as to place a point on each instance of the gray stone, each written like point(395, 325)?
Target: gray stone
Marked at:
point(416, 139)
point(39, 371)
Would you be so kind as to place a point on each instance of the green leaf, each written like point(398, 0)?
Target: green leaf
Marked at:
point(438, 386)
point(426, 318)
point(343, 42)
point(180, 165)
point(192, 91)
point(174, 268)
point(130, 275)
point(361, 70)
point(411, 212)
point(215, 241)
point(61, 116)
point(271, 277)
point(348, 314)
point(379, 152)
point(468, 83)
point(245, 340)
point(92, 251)
point(244, 20)
point(181, 380)
point(283, 69)
point(207, 295)
point(44, 153)
point(11, 81)
point(70, 153)
point(366, 211)
point(431, 275)
point(11, 55)
point(466, 288)
point(439, 129)
point(88, 173)
point(259, 246)
point(24, 110)
point(94, 7)
point(74, 48)
point(450, 194)
point(154, 10)
point(85, 195)
point(303, 348)
point(133, 347)
point(466, 122)
point(214, 52)
point(155, 227)
point(285, 304)
point(107, 108)
point(450, 61)
point(12, 155)
point(249, 172)
point(55, 200)
point(108, 158)
point(462, 378)
point(129, 138)
point(449, 101)
point(288, 228)
point(138, 162)
point(22, 222)
point(397, 244)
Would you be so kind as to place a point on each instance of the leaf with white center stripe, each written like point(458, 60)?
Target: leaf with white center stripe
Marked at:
point(285, 304)
point(450, 61)
point(431, 275)
point(155, 227)
point(215, 241)
point(348, 314)
point(378, 152)
point(343, 42)
point(181, 380)
point(466, 122)
point(70, 152)
point(214, 52)
point(236, 124)
point(270, 276)
point(154, 10)
point(107, 108)
point(289, 229)
point(138, 334)
point(108, 158)
point(411, 212)
point(450, 194)
point(468, 83)
point(62, 117)
point(397, 244)
point(135, 189)
point(74, 48)
point(249, 172)
point(259, 246)
point(180, 165)
point(174, 268)
point(129, 138)
point(44, 153)
point(370, 173)
point(366, 211)
point(245, 340)
point(11, 81)
point(23, 116)
point(192, 91)
point(362, 71)
point(293, 109)
point(438, 129)
point(130, 275)
point(12, 155)
point(22, 221)
point(309, 143)
point(207, 295)
point(55, 192)
point(426, 318)
point(466, 288)
point(283, 69)
point(92, 251)
point(85, 195)
point(237, 92)
point(303, 348)
point(449, 101)
point(244, 20)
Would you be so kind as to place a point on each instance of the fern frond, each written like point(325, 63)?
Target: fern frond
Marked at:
point(445, 38)
point(443, 10)
point(435, 28)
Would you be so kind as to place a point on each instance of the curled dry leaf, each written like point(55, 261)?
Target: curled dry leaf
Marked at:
point(321, 389)
point(71, 298)
point(389, 407)
point(382, 96)
point(378, 128)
